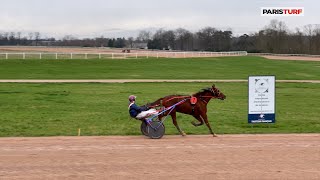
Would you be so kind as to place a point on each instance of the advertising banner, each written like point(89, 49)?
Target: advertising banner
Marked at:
point(261, 99)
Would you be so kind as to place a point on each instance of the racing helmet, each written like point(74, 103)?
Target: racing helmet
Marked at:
point(132, 98)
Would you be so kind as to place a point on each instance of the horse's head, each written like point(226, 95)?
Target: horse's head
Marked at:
point(211, 92)
point(215, 92)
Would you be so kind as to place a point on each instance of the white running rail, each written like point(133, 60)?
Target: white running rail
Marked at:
point(50, 55)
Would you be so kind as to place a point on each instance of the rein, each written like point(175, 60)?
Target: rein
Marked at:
point(186, 97)
point(176, 97)
point(208, 96)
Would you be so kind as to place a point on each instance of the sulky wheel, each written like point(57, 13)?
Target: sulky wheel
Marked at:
point(156, 130)
point(143, 128)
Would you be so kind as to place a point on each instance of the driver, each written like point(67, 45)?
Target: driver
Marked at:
point(139, 112)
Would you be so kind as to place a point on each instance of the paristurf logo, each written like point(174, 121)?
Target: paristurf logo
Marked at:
point(282, 11)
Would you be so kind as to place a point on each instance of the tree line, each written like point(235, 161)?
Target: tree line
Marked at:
point(276, 37)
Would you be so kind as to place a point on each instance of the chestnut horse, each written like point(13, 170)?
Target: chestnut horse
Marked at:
point(197, 109)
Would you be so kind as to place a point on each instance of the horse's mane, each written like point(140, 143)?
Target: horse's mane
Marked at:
point(202, 91)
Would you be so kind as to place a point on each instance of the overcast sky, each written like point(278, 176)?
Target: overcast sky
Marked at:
point(114, 18)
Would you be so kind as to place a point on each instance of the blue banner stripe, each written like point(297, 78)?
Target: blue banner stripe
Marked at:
point(261, 118)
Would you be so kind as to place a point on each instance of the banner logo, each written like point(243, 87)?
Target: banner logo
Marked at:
point(282, 11)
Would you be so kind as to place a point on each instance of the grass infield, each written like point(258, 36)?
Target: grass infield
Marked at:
point(101, 109)
point(163, 68)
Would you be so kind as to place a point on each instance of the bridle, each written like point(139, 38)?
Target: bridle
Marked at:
point(213, 92)
point(201, 98)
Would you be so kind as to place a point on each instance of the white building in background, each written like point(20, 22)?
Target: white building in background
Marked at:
point(140, 45)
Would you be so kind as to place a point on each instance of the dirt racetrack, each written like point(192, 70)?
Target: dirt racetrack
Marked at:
point(282, 156)
point(295, 58)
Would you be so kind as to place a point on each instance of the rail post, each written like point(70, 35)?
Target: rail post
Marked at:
point(112, 55)
point(56, 55)
point(40, 56)
point(6, 55)
point(24, 55)
point(136, 55)
point(99, 55)
point(157, 55)
point(71, 55)
point(86, 55)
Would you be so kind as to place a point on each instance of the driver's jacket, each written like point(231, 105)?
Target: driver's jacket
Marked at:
point(134, 110)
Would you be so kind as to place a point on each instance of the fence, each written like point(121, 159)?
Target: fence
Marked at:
point(42, 55)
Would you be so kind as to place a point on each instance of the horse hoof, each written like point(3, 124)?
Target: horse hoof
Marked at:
point(183, 134)
point(214, 135)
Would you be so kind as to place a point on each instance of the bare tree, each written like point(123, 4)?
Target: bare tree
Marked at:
point(19, 37)
point(30, 35)
point(12, 38)
point(296, 43)
point(279, 33)
point(316, 33)
point(3, 39)
point(184, 39)
point(169, 39)
point(308, 32)
point(273, 38)
point(205, 36)
point(130, 42)
point(101, 41)
point(37, 37)
point(144, 36)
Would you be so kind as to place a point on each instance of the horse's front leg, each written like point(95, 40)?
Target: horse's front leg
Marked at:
point(174, 121)
point(205, 118)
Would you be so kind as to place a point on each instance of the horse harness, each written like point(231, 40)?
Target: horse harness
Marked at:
point(193, 100)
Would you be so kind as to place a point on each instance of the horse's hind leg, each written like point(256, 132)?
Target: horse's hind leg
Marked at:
point(174, 121)
point(199, 119)
point(205, 118)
